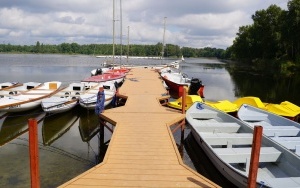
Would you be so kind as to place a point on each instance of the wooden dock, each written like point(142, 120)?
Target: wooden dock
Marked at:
point(142, 151)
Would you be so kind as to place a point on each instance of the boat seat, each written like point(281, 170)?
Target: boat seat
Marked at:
point(205, 114)
point(227, 138)
point(255, 117)
point(270, 130)
point(281, 131)
point(217, 127)
point(241, 155)
point(288, 142)
point(284, 182)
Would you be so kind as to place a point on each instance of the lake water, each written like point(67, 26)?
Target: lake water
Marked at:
point(69, 142)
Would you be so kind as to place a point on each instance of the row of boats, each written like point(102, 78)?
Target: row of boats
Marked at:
point(224, 130)
point(228, 141)
point(54, 97)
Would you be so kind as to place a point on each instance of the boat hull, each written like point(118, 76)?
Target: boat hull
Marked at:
point(29, 99)
point(175, 87)
point(107, 78)
point(22, 107)
point(282, 130)
point(228, 143)
point(89, 101)
point(62, 107)
point(285, 109)
point(223, 168)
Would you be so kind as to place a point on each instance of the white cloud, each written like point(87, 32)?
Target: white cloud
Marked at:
point(194, 23)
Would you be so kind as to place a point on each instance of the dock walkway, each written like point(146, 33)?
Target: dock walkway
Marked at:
point(142, 151)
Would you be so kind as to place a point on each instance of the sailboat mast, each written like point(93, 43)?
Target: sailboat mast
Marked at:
point(163, 45)
point(127, 44)
point(121, 34)
point(113, 32)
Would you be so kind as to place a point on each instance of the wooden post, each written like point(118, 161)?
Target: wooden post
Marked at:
point(183, 112)
point(34, 153)
point(183, 102)
point(254, 162)
point(101, 139)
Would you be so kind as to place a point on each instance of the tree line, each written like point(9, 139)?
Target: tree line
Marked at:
point(170, 50)
point(272, 40)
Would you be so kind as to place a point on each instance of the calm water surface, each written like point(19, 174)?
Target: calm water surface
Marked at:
point(69, 142)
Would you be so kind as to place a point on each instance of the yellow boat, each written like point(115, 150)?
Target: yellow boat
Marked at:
point(190, 99)
point(224, 105)
point(286, 108)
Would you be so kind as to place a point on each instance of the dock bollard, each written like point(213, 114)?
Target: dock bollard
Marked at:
point(34, 153)
point(254, 161)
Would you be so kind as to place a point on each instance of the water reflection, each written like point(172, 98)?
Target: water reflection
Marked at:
point(269, 87)
point(216, 79)
point(16, 124)
point(55, 125)
point(88, 126)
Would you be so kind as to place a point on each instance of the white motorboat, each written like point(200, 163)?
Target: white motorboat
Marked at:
point(175, 80)
point(227, 141)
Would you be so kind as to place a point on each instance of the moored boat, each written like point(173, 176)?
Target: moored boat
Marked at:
point(285, 109)
point(88, 99)
point(110, 70)
point(227, 141)
point(280, 129)
point(30, 99)
point(17, 89)
point(8, 85)
point(223, 105)
point(105, 78)
point(190, 100)
point(67, 98)
point(176, 81)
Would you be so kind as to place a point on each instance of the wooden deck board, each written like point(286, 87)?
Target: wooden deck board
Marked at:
point(142, 151)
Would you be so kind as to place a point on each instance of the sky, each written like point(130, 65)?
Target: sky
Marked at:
point(187, 23)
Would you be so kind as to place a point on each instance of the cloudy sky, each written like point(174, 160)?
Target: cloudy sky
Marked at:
point(189, 23)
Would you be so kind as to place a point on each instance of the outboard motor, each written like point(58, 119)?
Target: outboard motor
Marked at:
point(98, 72)
point(196, 87)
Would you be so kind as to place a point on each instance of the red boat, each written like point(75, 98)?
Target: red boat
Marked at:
point(176, 82)
point(107, 77)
